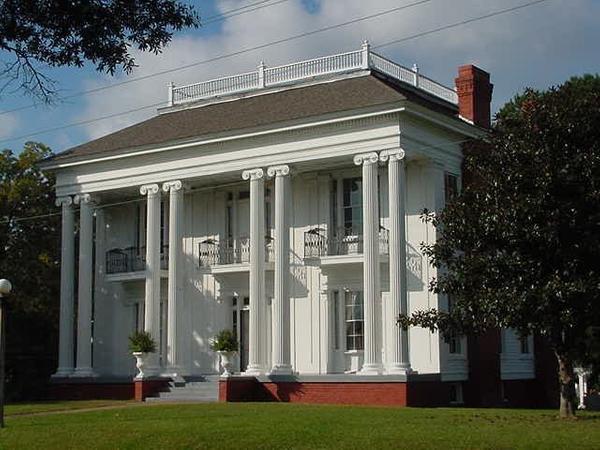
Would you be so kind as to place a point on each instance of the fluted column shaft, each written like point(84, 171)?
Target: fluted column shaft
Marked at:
point(397, 361)
point(256, 356)
point(281, 302)
point(85, 291)
point(67, 290)
point(174, 188)
point(371, 267)
point(152, 282)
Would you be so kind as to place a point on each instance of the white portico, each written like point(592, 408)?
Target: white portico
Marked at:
point(284, 205)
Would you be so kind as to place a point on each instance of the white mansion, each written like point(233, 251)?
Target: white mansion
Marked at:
point(284, 204)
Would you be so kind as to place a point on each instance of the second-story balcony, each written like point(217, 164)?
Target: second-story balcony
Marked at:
point(230, 251)
point(132, 259)
point(341, 241)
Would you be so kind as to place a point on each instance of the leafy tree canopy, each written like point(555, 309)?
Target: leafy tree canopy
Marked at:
point(520, 246)
point(69, 33)
point(29, 258)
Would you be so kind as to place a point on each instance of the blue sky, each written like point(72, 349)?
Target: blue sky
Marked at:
point(538, 46)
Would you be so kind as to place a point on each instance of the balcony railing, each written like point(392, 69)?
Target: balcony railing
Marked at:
point(230, 251)
point(343, 241)
point(132, 259)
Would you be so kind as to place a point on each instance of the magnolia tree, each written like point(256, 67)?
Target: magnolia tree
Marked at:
point(520, 246)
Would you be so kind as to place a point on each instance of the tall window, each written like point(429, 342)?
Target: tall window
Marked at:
point(454, 339)
point(352, 206)
point(336, 320)
point(450, 186)
point(525, 345)
point(354, 320)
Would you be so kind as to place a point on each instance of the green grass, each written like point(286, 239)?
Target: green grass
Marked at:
point(16, 409)
point(271, 425)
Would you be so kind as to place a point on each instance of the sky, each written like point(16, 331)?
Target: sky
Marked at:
point(538, 46)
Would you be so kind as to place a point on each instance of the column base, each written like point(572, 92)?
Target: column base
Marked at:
point(371, 369)
point(399, 369)
point(253, 370)
point(63, 372)
point(84, 372)
point(281, 369)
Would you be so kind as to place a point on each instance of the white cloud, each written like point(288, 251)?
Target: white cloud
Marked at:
point(9, 124)
point(513, 47)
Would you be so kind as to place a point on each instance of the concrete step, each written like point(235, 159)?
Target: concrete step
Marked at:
point(196, 389)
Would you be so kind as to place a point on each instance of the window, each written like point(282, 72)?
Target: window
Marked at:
point(354, 318)
point(456, 393)
point(453, 339)
point(333, 199)
point(450, 186)
point(525, 345)
point(352, 205)
point(336, 320)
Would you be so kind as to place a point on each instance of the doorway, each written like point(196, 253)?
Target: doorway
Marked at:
point(241, 328)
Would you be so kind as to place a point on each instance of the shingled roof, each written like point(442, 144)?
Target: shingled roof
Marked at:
point(265, 110)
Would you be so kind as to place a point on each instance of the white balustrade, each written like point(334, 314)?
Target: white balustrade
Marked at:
point(303, 70)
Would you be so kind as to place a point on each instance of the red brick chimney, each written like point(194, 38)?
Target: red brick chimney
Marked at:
point(474, 95)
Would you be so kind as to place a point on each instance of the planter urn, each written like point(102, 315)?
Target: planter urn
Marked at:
point(226, 362)
point(141, 359)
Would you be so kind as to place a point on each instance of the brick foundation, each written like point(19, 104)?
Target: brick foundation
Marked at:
point(97, 389)
point(396, 393)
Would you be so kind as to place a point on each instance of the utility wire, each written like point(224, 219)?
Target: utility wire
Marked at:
point(227, 55)
point(396, 41)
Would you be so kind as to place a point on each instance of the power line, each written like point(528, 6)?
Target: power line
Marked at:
point(225, 56)
point(463, 22)
point(396, 41)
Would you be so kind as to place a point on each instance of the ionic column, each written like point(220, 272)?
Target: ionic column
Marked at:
point(174, 188)
point(152, 285)
point(256, 356)
point(85, 291)
point(67, 290)
point(281, 301)
point(397, 360)
point(371, 268)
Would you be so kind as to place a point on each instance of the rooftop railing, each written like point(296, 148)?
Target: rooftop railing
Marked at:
point(266, 77)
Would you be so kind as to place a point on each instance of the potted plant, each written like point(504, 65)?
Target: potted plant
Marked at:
point(226, 345)
point(140, 345)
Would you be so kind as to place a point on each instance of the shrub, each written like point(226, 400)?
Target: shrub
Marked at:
point(224, 341)
point(141, 341)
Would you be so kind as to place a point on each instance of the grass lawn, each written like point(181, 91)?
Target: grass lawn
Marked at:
point(272, 425)
point(16, 409)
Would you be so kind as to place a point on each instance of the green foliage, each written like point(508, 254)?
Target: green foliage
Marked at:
point(102, 32)
point(224, 341)
point(141, 341)
point(520, 246)
point(30, 260)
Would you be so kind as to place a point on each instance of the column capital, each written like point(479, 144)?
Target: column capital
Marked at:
point(149, 189)
point(366, 158)
point(278, 171)
point(176, 185)
point(67, 200)
point(396, 154)
point(253, 174)
point(80, 199)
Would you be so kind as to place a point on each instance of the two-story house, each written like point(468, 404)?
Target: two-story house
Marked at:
point(283, 204)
